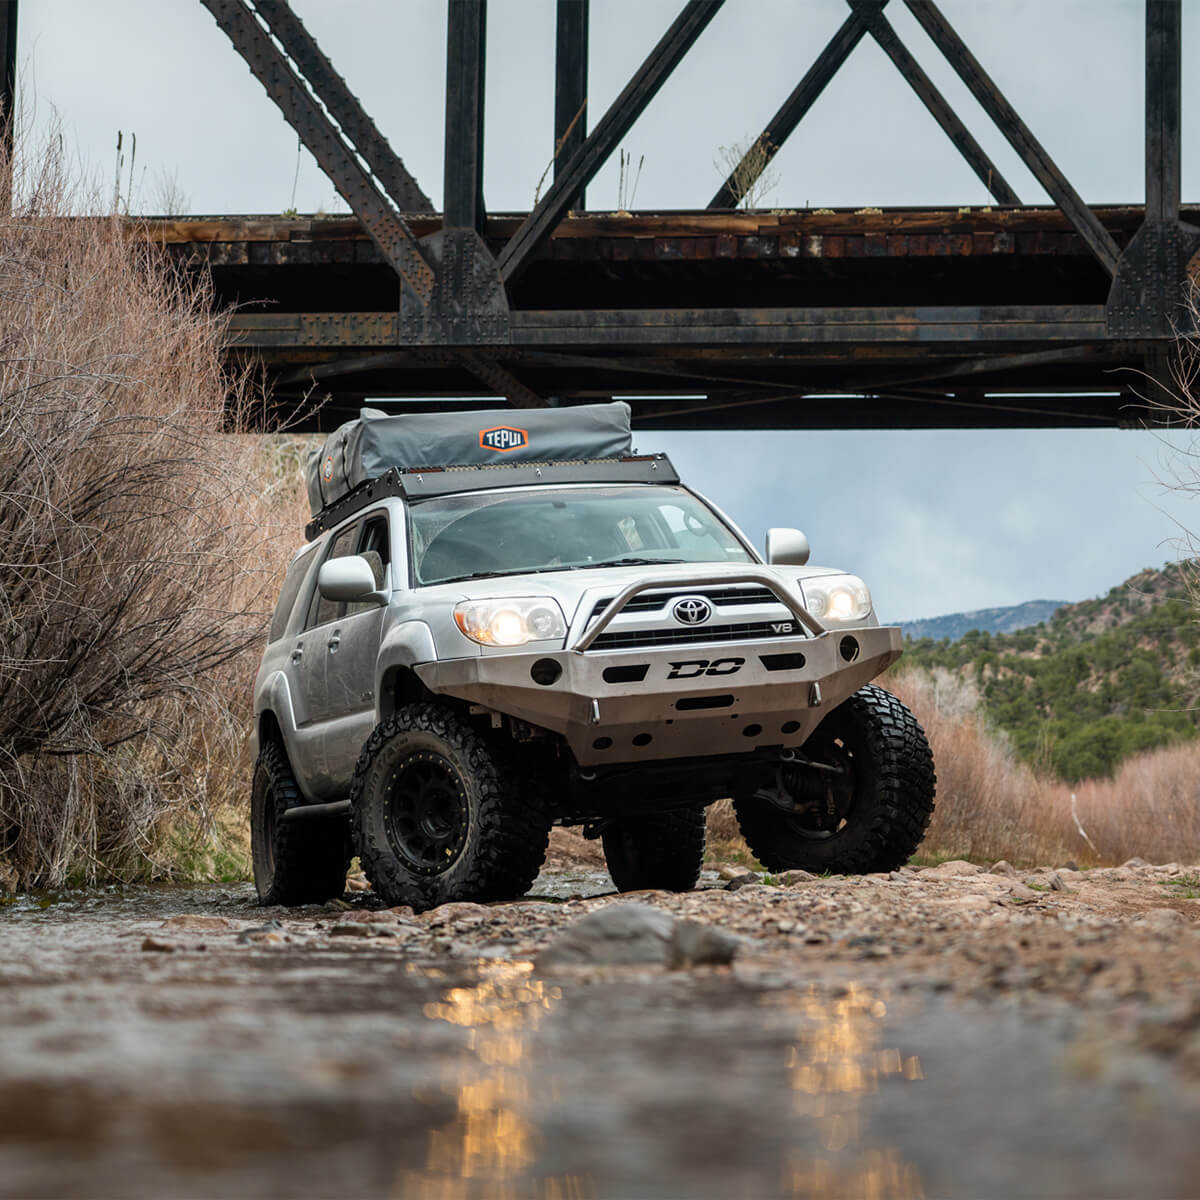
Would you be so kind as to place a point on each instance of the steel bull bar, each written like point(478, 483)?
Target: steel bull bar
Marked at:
point(678, 701)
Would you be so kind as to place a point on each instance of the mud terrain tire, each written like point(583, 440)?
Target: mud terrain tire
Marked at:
point(882, 812)
point(658, 850)
point(437, 813)
point(295, 862)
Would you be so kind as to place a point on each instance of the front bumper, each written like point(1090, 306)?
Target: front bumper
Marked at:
point(678, 702)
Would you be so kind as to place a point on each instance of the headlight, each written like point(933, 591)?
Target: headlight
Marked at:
point(510, 621)
point(836, 598)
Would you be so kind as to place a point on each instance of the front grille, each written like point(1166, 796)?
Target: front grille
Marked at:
point(657, 601)
point(628, 639)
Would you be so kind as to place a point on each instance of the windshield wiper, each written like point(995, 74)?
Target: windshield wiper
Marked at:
point(630, 561)
point(492, 575)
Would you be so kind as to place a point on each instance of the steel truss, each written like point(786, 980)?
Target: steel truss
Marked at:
point(468, 298)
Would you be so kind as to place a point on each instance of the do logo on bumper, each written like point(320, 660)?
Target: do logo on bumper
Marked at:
point(692, 668)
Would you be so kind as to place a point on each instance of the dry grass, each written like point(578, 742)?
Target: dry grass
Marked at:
point(990, 806)
point(138, 550)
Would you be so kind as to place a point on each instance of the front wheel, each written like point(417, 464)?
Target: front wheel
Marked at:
point(656, 850)
point(438, 816)
point(861, 804)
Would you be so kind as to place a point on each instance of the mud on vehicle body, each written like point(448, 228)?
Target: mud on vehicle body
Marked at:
point(464, 656)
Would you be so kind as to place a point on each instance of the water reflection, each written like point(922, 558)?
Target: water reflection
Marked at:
point(835, 1061)
point(489, 1147)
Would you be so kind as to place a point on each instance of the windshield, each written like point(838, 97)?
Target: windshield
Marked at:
point(461, 537)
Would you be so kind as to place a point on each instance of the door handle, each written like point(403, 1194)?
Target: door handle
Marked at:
point(297, 654)
point(334, 642)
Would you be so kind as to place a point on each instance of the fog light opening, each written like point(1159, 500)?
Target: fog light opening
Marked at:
point(546, 671)
point(849, 648)
point(643, 739)
point(752, 731)
point(790, 727)
point(602, 743)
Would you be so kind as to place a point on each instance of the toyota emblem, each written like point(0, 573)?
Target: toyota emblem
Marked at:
point(691, 610)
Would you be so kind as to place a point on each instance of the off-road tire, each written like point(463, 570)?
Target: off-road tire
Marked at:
point(893, 790)
point(491, 823)
point(658, 850)
point(295, 862)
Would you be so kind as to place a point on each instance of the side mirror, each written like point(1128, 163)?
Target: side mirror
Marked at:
point(350, 579)
point(787, 547)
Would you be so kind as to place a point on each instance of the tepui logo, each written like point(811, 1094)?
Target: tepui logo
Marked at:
point(503, 438)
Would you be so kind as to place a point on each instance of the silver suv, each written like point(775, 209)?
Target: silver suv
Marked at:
point(460, 659)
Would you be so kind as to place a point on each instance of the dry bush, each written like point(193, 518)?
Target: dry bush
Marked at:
point(747, 164)
point(133, 570)
point(990, 806)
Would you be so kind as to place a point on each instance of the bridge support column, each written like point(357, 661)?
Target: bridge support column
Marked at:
point(1148, 295)
point(466, 51)
point(8, 95)
point(570, 86)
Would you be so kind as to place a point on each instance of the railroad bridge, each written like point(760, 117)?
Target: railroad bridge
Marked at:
point(721, 317)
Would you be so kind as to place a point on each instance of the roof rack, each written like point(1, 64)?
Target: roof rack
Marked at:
point(417, 483)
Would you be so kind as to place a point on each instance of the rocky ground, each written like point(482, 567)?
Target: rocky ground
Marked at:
point(948, 1031)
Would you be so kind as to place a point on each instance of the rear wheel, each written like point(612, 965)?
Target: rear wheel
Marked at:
point(863, 805)
point(438, 814)
point(295, 862)
point(656, 850)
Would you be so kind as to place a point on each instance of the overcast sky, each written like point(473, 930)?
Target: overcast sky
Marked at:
point(935, 521)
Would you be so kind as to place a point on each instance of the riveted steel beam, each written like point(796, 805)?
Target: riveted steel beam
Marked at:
point(1149, 294)
point(466, 52)
point(884, 33)
point(570, 85)
point(611, 128)
point(1164, 71)
point(1016, 132)
point(327, 145)
point(791, 111)
point(330, 88)
point(8, 92)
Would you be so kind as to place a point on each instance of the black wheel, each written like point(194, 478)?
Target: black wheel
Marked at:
point(658, 850)
point(864, 808)
point(437, 814)
point(295, 862)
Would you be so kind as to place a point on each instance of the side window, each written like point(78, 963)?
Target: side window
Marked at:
point(289, 592)
point(320, 610)
point(375, 547)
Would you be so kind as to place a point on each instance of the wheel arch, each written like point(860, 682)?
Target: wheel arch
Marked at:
point(396, 682)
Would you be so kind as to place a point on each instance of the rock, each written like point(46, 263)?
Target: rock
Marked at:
point(956, 866)
point(616, 934)
point(456, 910)
point(336, 906)
point(357, 883)
point(1135, 862)
point(1018, 891)
point(694, 944)
point(741, 880)
point(637, 935)
point(1003, 867)
point(1057, 884)
point(197, 923)
point(362, 929)
point(791, 878)
point(153, 946)
point(270, 932)
point(1161, 920)
point(730, 871)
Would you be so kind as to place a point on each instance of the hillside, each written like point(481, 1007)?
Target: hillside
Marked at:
point(1098, 682)
point(988, 620)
